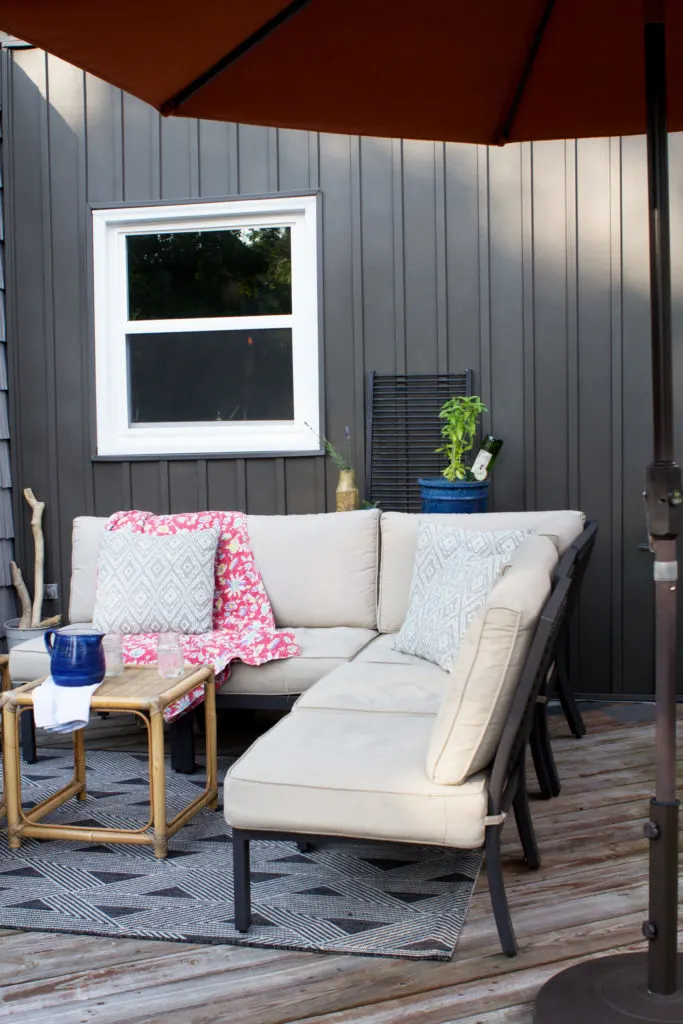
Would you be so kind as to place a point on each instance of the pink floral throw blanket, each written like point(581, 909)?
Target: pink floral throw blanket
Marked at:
point(243, 624)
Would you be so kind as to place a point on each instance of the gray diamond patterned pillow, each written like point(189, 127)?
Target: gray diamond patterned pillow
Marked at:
point(151, 584)
point(454, 572)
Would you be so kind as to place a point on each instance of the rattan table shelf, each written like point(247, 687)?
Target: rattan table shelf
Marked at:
point(142, 692)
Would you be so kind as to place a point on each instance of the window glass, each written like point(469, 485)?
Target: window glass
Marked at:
point(210, 376)
point(230, 272)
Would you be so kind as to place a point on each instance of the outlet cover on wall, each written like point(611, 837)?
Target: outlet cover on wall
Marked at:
point(51, 592)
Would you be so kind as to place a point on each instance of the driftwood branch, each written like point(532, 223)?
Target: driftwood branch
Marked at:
point(39, 548)
point(54, 620)
point(24, 596)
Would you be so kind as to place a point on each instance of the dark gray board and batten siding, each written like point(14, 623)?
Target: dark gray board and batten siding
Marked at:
point(528, 264)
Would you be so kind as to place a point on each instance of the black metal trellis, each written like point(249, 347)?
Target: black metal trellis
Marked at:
point(402, 430)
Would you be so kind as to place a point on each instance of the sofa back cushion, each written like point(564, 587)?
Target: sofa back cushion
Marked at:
point(483, 680)
point(319, 570)
point(399, 544)
point(85, 549)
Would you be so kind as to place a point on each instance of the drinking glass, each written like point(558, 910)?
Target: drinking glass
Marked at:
point(170, 662)
point(113, 654)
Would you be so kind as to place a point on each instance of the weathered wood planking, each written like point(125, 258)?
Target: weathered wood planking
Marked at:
point(588, 898)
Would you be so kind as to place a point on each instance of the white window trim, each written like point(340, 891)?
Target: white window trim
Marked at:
point(116, 436)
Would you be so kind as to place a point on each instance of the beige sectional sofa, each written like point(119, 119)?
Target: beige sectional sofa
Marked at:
point(381, 745)
point(340, 580)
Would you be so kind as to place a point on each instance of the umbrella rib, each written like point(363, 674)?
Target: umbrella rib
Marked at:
point(172, 104)
point(504, 130)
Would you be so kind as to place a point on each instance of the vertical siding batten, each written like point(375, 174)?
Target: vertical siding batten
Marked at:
point(357, 418)
point(530, 497)
point(638, 621)
point(483, 386)
point(440, 257)
point(617, 409)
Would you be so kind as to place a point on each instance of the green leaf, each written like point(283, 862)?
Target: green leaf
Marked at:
point(461, 418)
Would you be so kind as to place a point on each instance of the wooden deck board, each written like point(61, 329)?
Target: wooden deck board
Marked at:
point(588, 898)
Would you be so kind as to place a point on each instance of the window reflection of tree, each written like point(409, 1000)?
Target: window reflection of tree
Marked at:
point(231, 272)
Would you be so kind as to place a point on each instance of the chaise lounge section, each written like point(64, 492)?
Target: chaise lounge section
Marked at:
point(376, 752)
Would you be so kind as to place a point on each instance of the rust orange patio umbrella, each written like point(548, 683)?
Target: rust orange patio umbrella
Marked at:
point(479, 71)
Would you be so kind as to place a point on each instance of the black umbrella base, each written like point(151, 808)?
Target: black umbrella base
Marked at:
point(610, 990)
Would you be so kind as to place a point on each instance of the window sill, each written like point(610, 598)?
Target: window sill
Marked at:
point(208, 456)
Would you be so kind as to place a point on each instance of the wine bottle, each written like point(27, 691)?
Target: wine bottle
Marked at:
point(486, 456)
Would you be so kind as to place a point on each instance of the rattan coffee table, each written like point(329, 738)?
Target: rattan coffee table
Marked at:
point(142, 692)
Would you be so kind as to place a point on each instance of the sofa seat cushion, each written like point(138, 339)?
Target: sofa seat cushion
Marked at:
point(398, 544)
point(381, 651)
point(347, 773)
point(322, 650)
point(369, 686)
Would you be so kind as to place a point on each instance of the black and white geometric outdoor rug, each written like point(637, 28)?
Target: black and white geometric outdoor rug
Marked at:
point(393, 901)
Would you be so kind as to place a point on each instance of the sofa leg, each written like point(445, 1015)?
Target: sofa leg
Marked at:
point(499, 901)
point(241, 880)
point(542, 754)
point(304, 847)
point(181, 733)
point(28, 736)
point(525, 825)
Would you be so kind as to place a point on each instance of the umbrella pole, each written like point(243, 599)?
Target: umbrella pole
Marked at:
point(663, 501)
point(631, 988)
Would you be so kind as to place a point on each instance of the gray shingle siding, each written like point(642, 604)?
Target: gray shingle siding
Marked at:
point(7, 600)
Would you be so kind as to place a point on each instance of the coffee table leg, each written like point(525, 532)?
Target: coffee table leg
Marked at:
point(158, 783)
point(28, 736)
point(211, 738)
point(79, 761)
point(12, 769)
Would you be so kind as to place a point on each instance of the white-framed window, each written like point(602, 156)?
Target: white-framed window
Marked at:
point(206, 327)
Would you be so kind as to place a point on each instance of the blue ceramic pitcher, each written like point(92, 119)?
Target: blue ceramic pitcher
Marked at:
point(76, 656)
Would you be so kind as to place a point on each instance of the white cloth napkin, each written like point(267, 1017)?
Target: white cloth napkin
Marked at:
point(61, 708)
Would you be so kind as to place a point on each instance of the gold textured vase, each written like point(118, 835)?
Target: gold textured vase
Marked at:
point(347, 492)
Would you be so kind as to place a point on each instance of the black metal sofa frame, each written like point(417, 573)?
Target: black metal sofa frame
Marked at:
point(573, 565)
point(507, 784)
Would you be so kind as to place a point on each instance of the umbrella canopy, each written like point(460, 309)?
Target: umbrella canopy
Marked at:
point(485, 71)
point(480, 71)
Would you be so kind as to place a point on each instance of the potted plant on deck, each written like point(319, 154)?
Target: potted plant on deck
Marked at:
point(463, 485)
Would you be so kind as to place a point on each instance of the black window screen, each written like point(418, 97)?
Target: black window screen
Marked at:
point(402, 430)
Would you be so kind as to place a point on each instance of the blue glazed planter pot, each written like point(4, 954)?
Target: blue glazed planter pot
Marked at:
point(76, 658)
point(456, 497)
